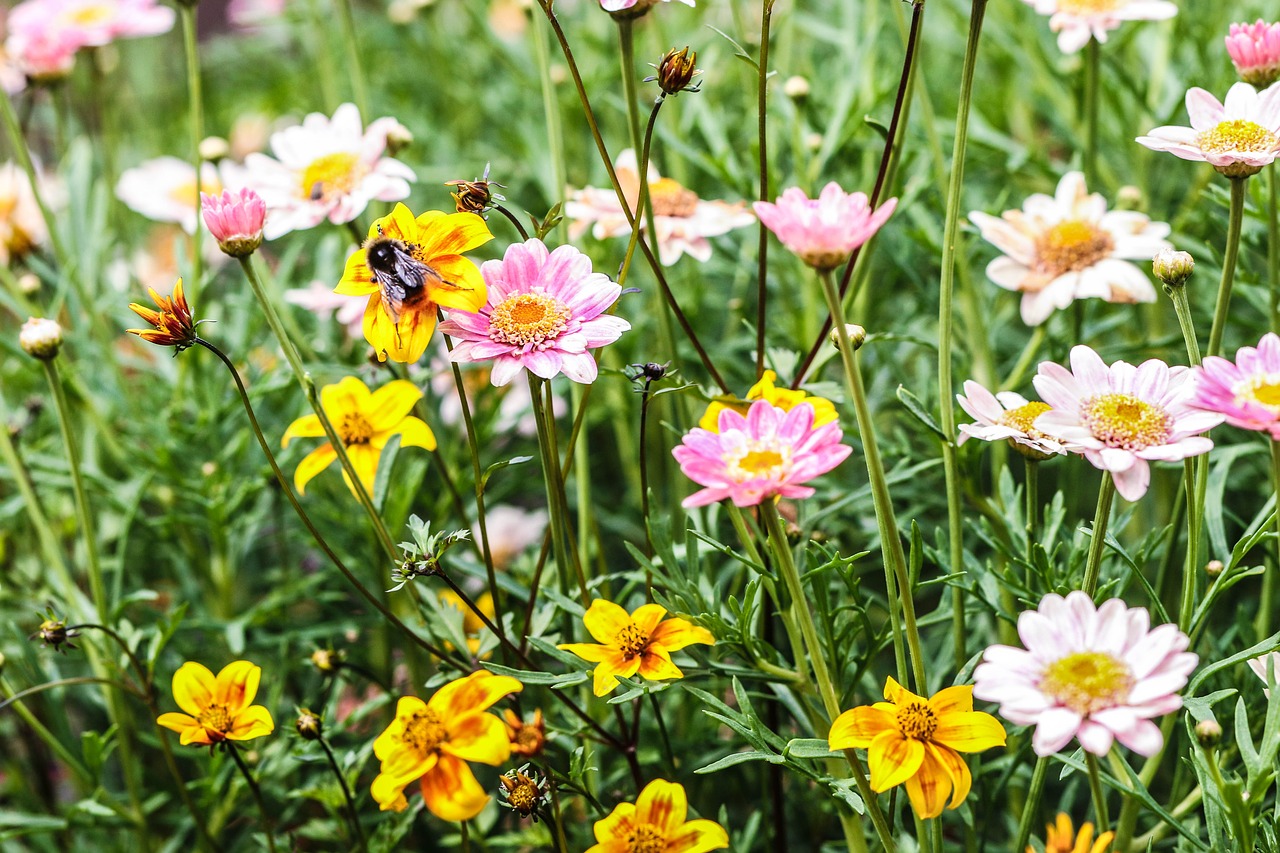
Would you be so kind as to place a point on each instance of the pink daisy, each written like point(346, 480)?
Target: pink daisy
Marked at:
point(1095, 674)
point(766, 454)
point(1006, 416)
point(544, 311)
point(89, 23)
point(1069, 246)
point(1077, 21)
point(1237, 137)
point(1255, 52)
point(1122, 417)
point(639, 6)
point(1259, 666)
point(823, 230)
point(1247, 393)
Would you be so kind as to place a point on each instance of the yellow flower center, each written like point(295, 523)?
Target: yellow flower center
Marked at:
point(1238, 135)
point(671, 199)
point(424, 731)
point(760, 461)
point(332, 174)
point(524, 796)
point(527, 738)
point(1122, 420)
point(528, 319)
point(216, 718)
point(1263, 390)
point(1087, 7)
point(1087, 681)
point(354, 428)
point(916, 720)
point(1072, 245)
point(632, 641)
point(87, 16)
point(647, 839)
point(1024, 417)
point(188, 192)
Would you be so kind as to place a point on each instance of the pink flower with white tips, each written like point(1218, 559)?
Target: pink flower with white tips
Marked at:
point(1255, 52)
point(768, 453)
point(235, 220)
point(1247, 393)
point(823, 231)
point(1237, 137)
point(1121, 417)
point(544, 311)
point(1096, 674)
point(1077, 21)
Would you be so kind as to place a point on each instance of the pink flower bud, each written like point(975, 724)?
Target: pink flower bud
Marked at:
point(235, 220)
point(1255, 51)
point(823, 230)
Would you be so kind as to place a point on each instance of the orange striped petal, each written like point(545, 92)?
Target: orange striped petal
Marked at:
point(254, 721)
point(476, 692)
point(404, 341)
point(647, 617)
point(461, 285)
point(440, 233)
point(478, 737)
point(928, 789)
point(674, 634)
point(663, 805)
point(236, 685)
point(609, 670)
point(656, 665)
point(949, 700)
point(857, 727)
point(618, 826)
point(451, 791)
point(357, 277)
point(697, 836)
point(180, 723)
point(893, 759)
point(899, 695)
point(957, 771)
point(591, 652)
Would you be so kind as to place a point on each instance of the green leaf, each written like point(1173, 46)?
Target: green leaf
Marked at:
point(809, 747)
point(917, 409)
point(740, 758)
point(498, 466)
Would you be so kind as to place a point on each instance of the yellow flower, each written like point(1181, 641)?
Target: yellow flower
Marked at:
point(364, 421)
point(172, 325)
point(434, 740)
point(472, 624)
point(656, 823)
point(1060, 837)
point(639, 644)
point(824, 411)
point(435, 240)
point(916, 740)
point(218, 708)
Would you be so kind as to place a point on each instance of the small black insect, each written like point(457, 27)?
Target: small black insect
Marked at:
point(402, 279)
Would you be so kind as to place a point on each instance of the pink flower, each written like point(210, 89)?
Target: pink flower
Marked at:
point(1259, 666)
point(1006, 416)
point(235, 220)
point(1237, 137)
point(1122, 417)
point(90, 23)
point(1255, 52)
point(45, 55)
point(1096, 674)
point(1077, 21)
point(1247, 393)
point(823, 230)
point(544, 311)
point(769, 453)
point(640, 6)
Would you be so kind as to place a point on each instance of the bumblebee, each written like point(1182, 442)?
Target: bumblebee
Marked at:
point(402, 279)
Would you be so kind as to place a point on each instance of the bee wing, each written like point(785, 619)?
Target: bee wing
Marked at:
point(407, 276)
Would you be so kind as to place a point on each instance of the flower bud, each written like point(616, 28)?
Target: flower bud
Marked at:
point(676, 71)
point(796, 88)
point(29, 283)
point(524, 791)
point(308, 724)
point(1208, 733)
point(1172, 268)
point(214, 148)
point(327, 661)
point(1130, 197)
point(235, 220)
point(40, 338)
point(1213, 568)
point(398, 137)
point(857, 336)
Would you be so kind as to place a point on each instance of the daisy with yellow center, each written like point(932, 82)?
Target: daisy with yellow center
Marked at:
point(657, 823)
point(1246, 393)
point(1060, 837)
point(916, 741)
point(1237, 137)
point(637, 644)
point(1078, 21)
point(165, 189)
point(1006, 416)
point(431, 274)
point(364, 422)
point(218, 708)
point(824, 411)
point(432, 742)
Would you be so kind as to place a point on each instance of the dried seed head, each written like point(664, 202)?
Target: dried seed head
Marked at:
point(308, 724)
point(676, 71)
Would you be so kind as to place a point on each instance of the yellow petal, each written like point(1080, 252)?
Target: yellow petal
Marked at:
point(399, 224)
point(413, 432)
point(440, 233)
point(178, 722)
point(478, 737)
point(193, 688)
point(1103, 842)
point(674, 634)
point(347, 396)
point(589, 651)
point(618, 826)
point(763, 386)
point(857, 727)
point(357, 278)
point(461, 285)
point(604, 620)
point(957, 771)
point(952, 699)
point(402, 342)
point(609, 670)
point(364, 459)
point(391, 404)
point(236, 685)
point(697, 836)
point(663, 805)
point(928, 788)
point(313, 463)
point(899, 695)
point(254, 721)
point(451, 791)
point(197, 735)
point(656, 665)
point(388, 743)
point(647, 617)
point(893, 759)
point(710, 419)
point(476, 692)
point(307, 426)
point(969, 731)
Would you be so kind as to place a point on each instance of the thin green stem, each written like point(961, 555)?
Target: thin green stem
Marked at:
point(1097, 542)
point(268, 822)
point(346, 793)
point(550, 109)
point(1092, 63)
point(1099, 795)
point(555, 493)
point(195, 105)
point(1196, 470)
point(1025, 359)
point(1262, 627)
point(1032, 807)
point(1031, 488)
point(1273, 246)
point(627, 55)
point(358, 89)
point(643, 200)
point(762, 141)
point(1234, 223)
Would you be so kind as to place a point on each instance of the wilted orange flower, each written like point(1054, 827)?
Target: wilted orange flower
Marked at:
point(1060, 837)
point(527, 739)
point(639, 644)
point(218, 708)
point(172, 325)
point(656, 823)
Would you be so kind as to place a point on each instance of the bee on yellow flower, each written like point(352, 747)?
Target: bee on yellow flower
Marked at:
point(824, 411)
point(655, 823)
point(217, 708)
point(1060, 837)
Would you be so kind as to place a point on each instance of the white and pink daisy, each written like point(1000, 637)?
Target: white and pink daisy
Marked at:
point(823, 231)
point(41, 55)
point(637, 7)
point(87, 23)
point(22, 226)
point(1121, 417)
point(164, 189)
point(1006, 416)
point(544, 311)
point(1077, 21)
point(771, 452)
point(1259, 666)
point(326, 168)
point(683, 221)
point(1096, 674)
point(1255, 52)
point(1237, 137)
point(1069, 246)
point(1247, 393)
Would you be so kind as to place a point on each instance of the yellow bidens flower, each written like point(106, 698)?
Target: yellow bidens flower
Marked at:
point(655, 823)
point(916, 740)
point(824, 412)
point(172, 325)
point(434, 740)
point(1060, 837)
point(417, 268)
point(364, 421)
point(218, 708)
point(639, 644)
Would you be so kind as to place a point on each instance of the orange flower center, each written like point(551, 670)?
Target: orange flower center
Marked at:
point(424, 731)
point(1024, 417)
point(760, 461)
point(671, 199)
point(354, 428)
point(330, 175)
point(1238, 135)
point(1263, 390)
point(528, 319)
point(527, 740)
point(1072, 245)
point(1122, 420)
point(216, 720)
point(916, 720)
point(523, 796)
point(647, 839)
point(1087, 7)
point(1087, 682)
point(632, 641)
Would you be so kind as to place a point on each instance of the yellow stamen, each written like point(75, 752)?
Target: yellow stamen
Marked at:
point(1072, 245)
point(1087, 7)
point(354, 428)
point(916, 720)
point(760, 461)
point(424, 731)
point(216, 719)
point(332, 174)
point(1238, 135)
point(671, 199)
point(1023, 417)
point(632, 641)
point(1122, 420)
point(647, 839)
point(90, 15)
point(188, 192)
point(1087, 681)
point(528, 319)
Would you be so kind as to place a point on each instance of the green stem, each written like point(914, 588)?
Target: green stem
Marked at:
point(1028, 355)
point(358, 89)
point(1263, 624)
point(643, 201)
point(267, 820)
point(550, 109)
point(1032, 807)
point(1273, 246)
point(762, 136)
point(1092, 61)
point(1031, 486)
point(555, 493)
point(195, 104)
point(19, 145)
point(1097, 541)
point(1196, 473)
point(627, 53)
point(1234, 223)
point(346, 793)
point(1099, 796)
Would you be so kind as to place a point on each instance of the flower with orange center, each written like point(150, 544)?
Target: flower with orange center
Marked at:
point(432, 742)
point(917, 741)
point(1246, 392)
point(526, 739)
point(217, 708)
point(428, 273)
point(1077, 21)
point(364, 422)
point(656, 823)
point(637, 644)
point(171, 320)
point(1060, 837)
point(824, 411)
point(1237, 137)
